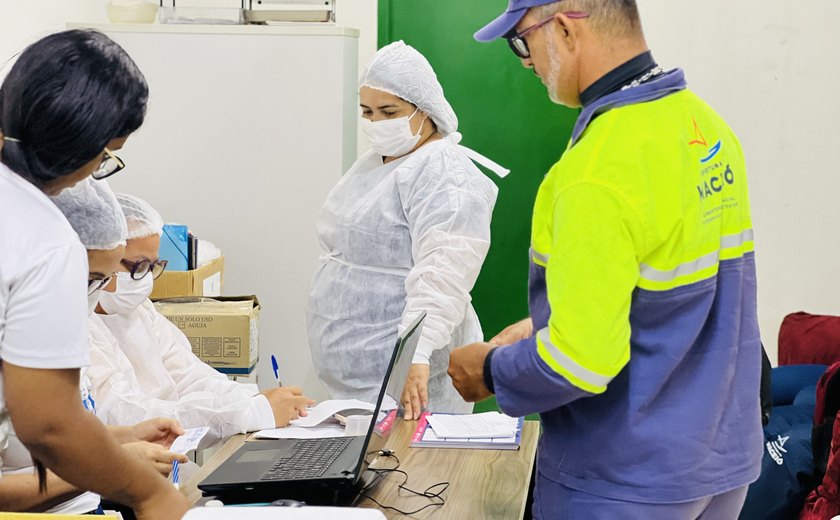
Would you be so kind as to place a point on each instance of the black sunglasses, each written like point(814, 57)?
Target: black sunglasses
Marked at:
point(519, 45)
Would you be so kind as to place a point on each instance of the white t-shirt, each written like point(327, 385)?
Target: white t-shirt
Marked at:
point(43, 274)
point(18, 461)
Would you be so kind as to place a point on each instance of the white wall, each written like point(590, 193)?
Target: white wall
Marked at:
point(19, 27)
point(361, 14)
point(24, 21)
point(772, 70)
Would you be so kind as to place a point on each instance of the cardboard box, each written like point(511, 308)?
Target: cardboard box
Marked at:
point(223, 331)
point(207, 280)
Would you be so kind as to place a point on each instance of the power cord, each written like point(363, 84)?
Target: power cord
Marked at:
point(429, 492)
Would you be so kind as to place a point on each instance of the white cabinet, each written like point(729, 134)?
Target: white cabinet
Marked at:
point(248, 128)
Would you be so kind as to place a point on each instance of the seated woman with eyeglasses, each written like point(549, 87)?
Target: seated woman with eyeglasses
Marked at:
point(143, 366)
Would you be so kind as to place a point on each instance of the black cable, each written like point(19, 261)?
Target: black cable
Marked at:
point(427, 493)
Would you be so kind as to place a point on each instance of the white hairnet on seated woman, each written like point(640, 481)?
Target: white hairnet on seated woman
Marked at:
point(400, 70)
point(143, 366)
point(92, 210)
point(143, 220)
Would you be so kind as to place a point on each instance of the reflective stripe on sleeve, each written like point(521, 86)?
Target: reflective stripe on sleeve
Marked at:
point(731, 246)
point(578, 375)
point(538, 258)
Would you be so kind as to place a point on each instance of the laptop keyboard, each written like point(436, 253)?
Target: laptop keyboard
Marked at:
point(310, 459)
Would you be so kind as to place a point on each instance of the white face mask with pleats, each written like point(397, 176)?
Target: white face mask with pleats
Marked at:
point(129, 295)
point(392, 137)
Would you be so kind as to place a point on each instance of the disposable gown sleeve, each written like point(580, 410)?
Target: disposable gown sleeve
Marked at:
point(205, 397)
point(193, 375)
point(448, 204)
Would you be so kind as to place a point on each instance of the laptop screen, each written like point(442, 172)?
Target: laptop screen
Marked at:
point(387, 405)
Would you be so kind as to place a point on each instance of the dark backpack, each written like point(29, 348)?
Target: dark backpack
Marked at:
point(766, 390)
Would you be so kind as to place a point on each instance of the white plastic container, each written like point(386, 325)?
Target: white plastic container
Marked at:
point(357, 425)
point(131, 11)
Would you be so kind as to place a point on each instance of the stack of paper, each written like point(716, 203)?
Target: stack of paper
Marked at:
point(481, 431)
point(474, 426)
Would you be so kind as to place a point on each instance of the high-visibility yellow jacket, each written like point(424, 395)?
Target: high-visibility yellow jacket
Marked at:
point(645, 363)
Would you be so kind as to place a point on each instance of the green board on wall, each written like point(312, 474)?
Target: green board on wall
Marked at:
point(505, 114)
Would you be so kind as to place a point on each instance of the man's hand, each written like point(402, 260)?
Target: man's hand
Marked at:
point(517, 332)
point(415, 395)
point(287, 403)
point(159, 430)
point(466, 368)
point(159, 457)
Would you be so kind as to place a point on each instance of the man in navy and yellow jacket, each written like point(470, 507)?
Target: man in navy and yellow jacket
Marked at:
point(642, 352)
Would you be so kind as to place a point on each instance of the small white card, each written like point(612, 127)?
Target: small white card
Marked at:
point(189, 440)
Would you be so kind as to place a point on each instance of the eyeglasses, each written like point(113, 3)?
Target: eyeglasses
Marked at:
point(111, 164)
point(517, 41)
point(94, 284)
point(144, 266)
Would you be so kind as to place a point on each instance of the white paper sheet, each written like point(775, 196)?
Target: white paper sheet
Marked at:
point(297, 432)
point(473, 426)
point(326, 409)
point(189, 440)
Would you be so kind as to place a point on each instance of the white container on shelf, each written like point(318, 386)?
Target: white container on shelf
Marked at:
point(131, 11)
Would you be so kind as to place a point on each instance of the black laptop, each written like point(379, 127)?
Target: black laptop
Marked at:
point(318, 471)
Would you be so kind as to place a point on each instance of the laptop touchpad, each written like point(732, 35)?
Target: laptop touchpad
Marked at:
point(260, 455)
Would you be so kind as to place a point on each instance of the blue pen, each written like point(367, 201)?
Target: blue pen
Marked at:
point(276, 370)
point(175, 473)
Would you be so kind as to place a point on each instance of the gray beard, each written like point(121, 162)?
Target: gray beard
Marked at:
point(551, 80)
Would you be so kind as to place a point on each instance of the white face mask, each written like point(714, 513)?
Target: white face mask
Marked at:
point(93, 300)
point(129, 295)
point(392, 137)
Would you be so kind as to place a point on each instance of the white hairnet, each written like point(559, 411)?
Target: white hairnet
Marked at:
point(93, 211)
point(143, 220)
point(400, 70)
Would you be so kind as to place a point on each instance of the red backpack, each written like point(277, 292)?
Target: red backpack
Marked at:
point(823, 503)
point(806, 339)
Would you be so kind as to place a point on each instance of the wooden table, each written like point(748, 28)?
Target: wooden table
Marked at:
point(488, 484)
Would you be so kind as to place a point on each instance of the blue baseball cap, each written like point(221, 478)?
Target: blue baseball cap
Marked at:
point(502, 25)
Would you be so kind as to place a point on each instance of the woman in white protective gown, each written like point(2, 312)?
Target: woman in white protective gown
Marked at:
point(405, 230)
